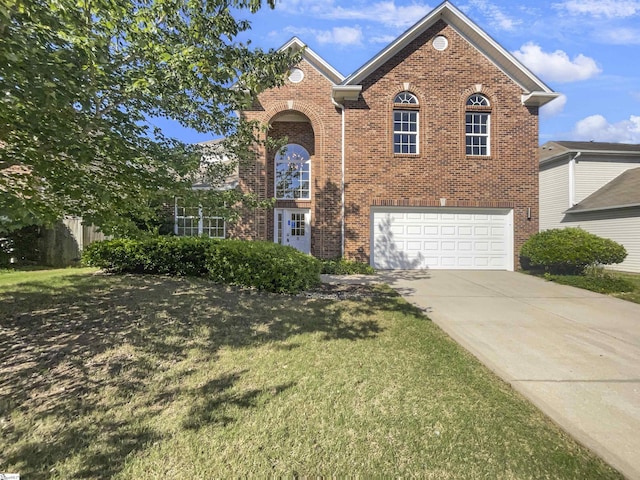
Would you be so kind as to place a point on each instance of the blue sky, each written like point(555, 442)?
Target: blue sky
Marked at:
point(588, 50)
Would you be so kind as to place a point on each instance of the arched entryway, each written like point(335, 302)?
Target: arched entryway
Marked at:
point(291, 169)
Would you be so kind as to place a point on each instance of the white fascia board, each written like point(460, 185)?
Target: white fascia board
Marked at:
point(340, 93)
point(599, 153)
point(468, 30)
point(394, 47)
point(313, 59)
point(494, 52)
point(538, 99)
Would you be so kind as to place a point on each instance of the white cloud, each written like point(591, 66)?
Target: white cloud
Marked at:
point(555, 107)
point(556, 66)
point(597, 128)
point(601, 8)
point(337, 35)
point(620, 36)
point(385, 12)
point(341, 36)
point(496, 17)
point(382, 39)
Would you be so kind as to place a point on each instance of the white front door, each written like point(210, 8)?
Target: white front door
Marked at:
point(293, 228)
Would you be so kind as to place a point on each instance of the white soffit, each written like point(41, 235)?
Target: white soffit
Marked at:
point(480, 40)
point(313, 59)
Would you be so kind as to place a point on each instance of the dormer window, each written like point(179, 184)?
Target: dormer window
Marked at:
point(478, 125)
point(405, 123)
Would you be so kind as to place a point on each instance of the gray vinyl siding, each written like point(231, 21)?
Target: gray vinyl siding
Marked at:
point(591, 175)
point(554, 194)
point(622, 226)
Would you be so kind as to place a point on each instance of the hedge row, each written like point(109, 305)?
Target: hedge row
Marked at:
point(263, 265)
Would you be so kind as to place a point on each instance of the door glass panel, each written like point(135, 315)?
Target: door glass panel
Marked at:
point(297, 224)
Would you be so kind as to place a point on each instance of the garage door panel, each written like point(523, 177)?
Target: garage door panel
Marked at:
point(465, 246)
point(427, 238)
point(414, 246)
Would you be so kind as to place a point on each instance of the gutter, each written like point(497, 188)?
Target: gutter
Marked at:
point(599, 209)
point(572, 179)
point(604, 153)
point(340, 93)
point(342, 209)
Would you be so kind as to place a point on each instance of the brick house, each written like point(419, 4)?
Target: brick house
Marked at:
point(425, 157)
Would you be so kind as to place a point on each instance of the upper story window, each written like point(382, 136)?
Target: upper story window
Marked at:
point(293, 173)
point(405, 123)
point(478, 125)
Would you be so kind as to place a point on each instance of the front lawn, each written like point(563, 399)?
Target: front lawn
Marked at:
point(155, 377)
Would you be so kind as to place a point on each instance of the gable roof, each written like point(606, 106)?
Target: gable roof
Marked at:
point(621, 192)
point(555, 149)
point(315, 60)
point(535, 92)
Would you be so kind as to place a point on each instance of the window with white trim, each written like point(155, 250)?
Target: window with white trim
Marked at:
point(405, 123)
point(478, 126)
point(293, 173)
point(194, 222)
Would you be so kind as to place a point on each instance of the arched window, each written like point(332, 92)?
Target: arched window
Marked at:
point(478, 125)
point(293, 173)
point(405, 123)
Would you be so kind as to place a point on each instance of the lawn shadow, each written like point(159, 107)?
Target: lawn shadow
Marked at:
point(62, 345)
point(214, 400)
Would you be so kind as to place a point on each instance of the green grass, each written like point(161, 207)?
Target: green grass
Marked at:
point(341, 266)
point(634, 279)
point(621, 285)
point(154, 377)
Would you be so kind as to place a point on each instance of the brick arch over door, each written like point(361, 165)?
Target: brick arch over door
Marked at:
point(308, 110)
point(320, 216)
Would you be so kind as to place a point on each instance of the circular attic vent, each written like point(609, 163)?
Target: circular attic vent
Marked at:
point(440, 43)
point(296, 75)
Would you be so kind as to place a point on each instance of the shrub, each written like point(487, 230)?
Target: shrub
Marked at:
point(263, 265)
point(569, 251)
point(340, 266)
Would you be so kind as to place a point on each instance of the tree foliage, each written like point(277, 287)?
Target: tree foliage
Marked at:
point(81, 82)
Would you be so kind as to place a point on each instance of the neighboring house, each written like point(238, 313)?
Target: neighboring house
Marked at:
point(594, 186)
point(425, 157)
point(190, 220)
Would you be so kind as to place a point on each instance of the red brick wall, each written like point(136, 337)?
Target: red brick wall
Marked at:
point(319, 131)
point(442, 81)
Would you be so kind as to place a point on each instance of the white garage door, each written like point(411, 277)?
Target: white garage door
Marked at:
point(444, 238)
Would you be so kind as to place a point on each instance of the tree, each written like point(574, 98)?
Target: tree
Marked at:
point(81, 81)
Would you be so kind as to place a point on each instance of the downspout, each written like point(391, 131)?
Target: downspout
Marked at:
point(342, 209)
point(572, 179)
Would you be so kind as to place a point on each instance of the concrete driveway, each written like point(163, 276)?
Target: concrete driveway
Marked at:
point(574, 353)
